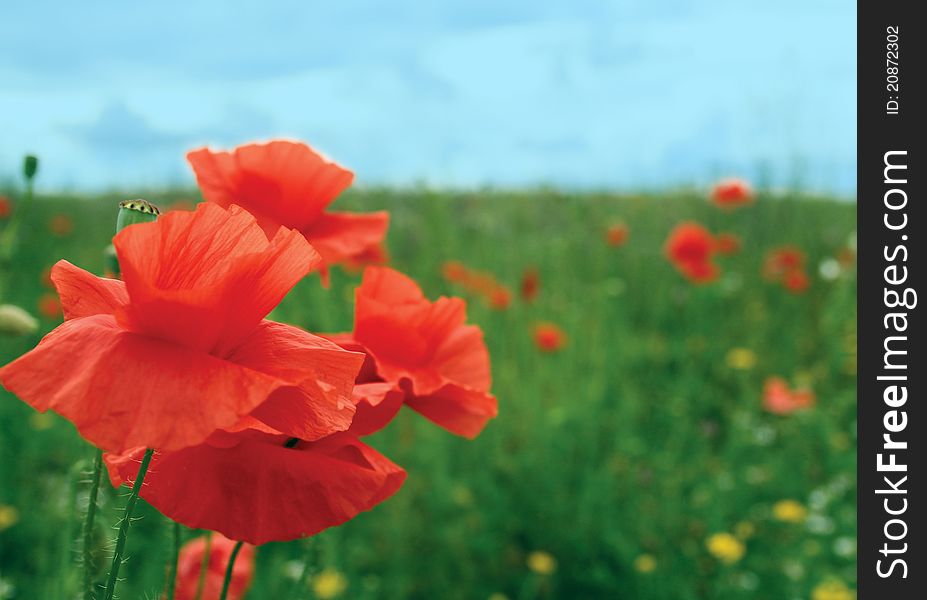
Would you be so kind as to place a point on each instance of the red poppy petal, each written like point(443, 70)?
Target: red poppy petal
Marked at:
point(458, 409)
point(377, 405)
point(443, 319)
point(205, 279)
point(388, 287)
point(410, 337)
point(280, 182)
point(84, 294)
point(397, 346)
point(123, 390)
point(321, 372)
point(261, 492)
point(463, 358)
point(216, 175)
point(341, 236)
point(368, 372)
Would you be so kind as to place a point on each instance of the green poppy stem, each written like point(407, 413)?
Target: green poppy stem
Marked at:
point(124, 526)
point(87, 548)
point(229, 569)
point(9, 237)
point(204, 567)
point(175, 555)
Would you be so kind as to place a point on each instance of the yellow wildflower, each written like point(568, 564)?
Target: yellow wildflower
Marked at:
point(725, 547)
point(8, 516)
point(743, 359)
point(645, 563)
point(329, 584)
point(832, 590)
point(789, 511)
point(542, 563)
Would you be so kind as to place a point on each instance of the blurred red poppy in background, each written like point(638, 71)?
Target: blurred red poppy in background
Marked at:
point(786, 265)
point(500, 298)
point(530, 284)
point(796, 281)
point(782, 260)
point(284, 183)
point(454, 271)
point(45, 278)
point(50, 306)
point(180, 348)
point(6, 207)
point(481, 283)
point(190, 564)
point(727, 244)
point(548, 337)
point(60, 225)
point(421, 348)
point(616, 234)
point(690, 248)
point(731, 193)
point(780, 399)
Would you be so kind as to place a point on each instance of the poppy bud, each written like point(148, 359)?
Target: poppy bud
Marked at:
point(135, 211)
point(30, 166)
point(16, 321)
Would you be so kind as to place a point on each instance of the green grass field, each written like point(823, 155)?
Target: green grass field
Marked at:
point(619, 456)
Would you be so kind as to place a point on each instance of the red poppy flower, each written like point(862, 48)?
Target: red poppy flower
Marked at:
point(251, 485)
point(548, 337)
point(288, 183)
point(796, 281)
point(190, 565)
point(45, 278)
point(727, 244)
point(530, 284)
point(454, 271)
point(616, 234)
point(422, 349)
point(60, 225)
point(180, 348)
point(377, 401)
point(50, 306)
point(782, 260)
point(6, 207)
point(500, 298)
point(779, 399)
point(731, 193)
point(690, 248)
point(481, 283)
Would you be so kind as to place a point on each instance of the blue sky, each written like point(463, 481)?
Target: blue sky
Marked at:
point(575, 94)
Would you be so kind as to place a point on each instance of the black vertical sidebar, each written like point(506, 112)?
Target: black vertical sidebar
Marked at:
point(892, 434)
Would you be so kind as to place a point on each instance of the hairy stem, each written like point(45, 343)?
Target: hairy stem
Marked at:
point(172, 568)
point(87, 548)
point(124, 526)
